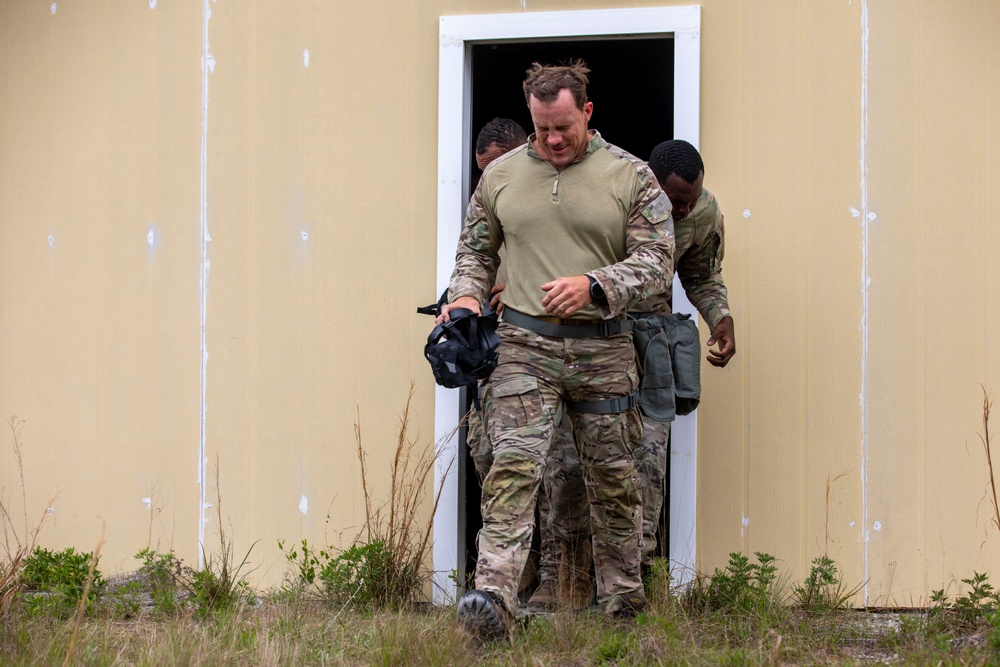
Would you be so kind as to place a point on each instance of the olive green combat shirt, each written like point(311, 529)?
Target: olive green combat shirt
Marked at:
point(700, 238)
point(603, 215)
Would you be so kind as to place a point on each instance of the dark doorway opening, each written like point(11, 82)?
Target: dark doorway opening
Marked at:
point(632, 87)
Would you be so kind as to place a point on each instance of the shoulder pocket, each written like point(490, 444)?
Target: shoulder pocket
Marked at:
point(658, 210)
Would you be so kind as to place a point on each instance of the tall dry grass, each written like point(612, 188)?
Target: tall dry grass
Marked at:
point(17, 543)
point(395, 524)
point(984, 437)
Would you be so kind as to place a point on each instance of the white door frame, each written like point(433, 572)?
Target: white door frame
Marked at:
point(457, 35)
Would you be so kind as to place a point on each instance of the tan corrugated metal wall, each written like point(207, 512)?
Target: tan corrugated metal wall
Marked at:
point(853, 145)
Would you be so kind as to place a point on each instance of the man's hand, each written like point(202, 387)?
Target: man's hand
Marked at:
point(725, 336)
point(466, 302)
point(495, 297)
point(566, 296)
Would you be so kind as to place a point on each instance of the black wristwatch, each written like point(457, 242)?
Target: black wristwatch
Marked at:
point(597, 294)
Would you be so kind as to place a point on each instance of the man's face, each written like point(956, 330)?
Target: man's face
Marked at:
point(560, 128)
point(683, 195)
point(491, 153)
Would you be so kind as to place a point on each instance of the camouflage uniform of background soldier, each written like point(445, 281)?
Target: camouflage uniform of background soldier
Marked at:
point(497, 137)
point(588, 234)
point(699, 234)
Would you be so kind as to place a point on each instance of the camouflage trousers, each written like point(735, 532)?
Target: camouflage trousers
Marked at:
point(479, 445)
point(563, 447)
point(524, 406)
point(569, 519)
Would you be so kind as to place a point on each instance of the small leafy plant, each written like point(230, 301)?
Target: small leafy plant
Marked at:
point(968, 610)
point(823, 589)
point(161, 572)
point(56, 580)
point(368, 575)
point(742, 588)
point(306, 562)
point(222, 583)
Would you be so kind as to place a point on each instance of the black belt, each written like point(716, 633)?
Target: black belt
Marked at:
point(568, 328)
point(609, 406)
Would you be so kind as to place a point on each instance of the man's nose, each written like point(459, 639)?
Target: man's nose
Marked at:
point(554, 138)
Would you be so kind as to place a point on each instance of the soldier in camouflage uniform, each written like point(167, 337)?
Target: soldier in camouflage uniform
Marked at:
point(699, 234)
point(588, 235)
point(497, 137)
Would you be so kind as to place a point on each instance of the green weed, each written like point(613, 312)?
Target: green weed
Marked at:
point(55, 581)
point(221, 584)
point(614, 647)
point(741, 588)
point(305, 562)
point(967, 611)
point(824, 588)
point(160, 574)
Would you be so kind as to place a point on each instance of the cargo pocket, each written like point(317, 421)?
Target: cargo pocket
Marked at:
point(656, 389)
point(512, 404)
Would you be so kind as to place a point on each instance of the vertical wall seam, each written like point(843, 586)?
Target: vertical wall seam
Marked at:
point(203, 282)
point(863, 159)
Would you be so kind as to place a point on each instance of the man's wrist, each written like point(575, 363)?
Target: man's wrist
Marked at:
point(597, 294)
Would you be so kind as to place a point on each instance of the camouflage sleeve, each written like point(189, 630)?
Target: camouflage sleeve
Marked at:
point(649, 242)
point(477, 258)
point(700, 270)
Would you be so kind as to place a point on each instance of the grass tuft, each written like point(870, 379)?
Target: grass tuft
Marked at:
point(17, 546)
point(386, 565)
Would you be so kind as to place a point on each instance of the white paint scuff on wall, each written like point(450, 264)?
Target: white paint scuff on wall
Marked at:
point(305, 58)
point(304, 505)
point(152, 237)
point(865, 281)
point(52, 240)
point(746, 213)
point(152, 4)
point(53, 8)
point(743, 524)
point(207, 67)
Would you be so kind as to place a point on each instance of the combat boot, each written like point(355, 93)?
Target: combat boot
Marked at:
point(628, 605)
point(484, 616)
point(574, 588)
point(544, 596)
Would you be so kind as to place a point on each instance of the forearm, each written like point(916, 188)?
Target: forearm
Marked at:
point(709, 295)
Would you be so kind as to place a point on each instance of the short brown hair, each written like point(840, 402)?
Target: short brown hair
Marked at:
point(545, 81)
